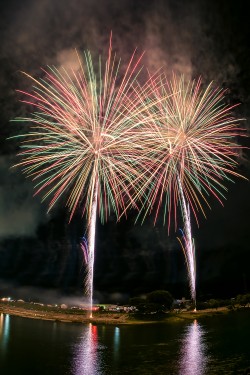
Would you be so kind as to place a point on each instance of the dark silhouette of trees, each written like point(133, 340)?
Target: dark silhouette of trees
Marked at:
point(155, 302)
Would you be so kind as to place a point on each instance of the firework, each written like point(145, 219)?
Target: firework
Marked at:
point(187, 245)
point(190, 149)
point(85, 250)
point(83, 140)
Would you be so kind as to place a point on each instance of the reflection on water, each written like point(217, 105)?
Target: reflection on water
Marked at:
point(4, 331)
point(219, 345)
point(86, 361)
point(1, 325)
point(193, 356)
point(116, 342)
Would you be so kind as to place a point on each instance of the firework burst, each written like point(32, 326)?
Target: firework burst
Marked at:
point(82, 141)
point(190, 149)
point(192, 143)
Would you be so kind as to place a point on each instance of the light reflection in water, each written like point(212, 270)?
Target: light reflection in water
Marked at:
point(4, 331)
point(116, 342)
point(1, 325)
point(86, 361)
point(193, 357)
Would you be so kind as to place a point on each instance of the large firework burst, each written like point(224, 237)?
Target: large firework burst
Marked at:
point(83, 139)
point(190, 149)
point(194, 140)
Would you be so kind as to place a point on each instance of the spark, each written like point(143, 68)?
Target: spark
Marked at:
point(190, 149)
point(83, 140)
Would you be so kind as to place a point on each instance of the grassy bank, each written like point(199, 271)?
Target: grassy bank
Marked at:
point(35, 311)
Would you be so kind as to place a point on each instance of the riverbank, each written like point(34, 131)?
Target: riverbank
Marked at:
point(33, 311)
point(61, 315)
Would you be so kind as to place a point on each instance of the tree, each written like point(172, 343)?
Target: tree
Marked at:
point(161, 297)
point(243, 300)
point(213, 303)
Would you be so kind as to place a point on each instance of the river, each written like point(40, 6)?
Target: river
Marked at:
point(213, 345)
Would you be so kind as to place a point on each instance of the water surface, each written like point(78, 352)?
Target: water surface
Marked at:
point(215, 345)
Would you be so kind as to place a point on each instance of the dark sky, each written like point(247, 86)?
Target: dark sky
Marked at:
point(39, 252)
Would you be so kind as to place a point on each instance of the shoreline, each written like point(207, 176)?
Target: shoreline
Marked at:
point(106, 317)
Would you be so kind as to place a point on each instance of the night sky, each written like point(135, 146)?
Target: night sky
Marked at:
point(39, 252)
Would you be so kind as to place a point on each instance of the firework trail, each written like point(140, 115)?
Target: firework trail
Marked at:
point(187, 245)
point(83, 140)
point(84, 248)
point(190, 149)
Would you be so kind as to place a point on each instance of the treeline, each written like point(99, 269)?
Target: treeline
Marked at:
point(161, 301)
point(157, 301)
point(241, 300)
